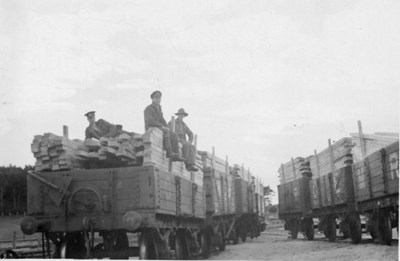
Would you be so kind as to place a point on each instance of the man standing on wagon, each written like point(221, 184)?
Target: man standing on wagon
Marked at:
point(181, 129)
point(153, 117)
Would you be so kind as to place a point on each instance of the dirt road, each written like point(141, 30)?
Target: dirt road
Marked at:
point(274, 244)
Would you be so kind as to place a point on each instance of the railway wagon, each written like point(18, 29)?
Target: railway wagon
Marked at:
point(88, 213)
point(219, 193)
point(230, 201)
point(294, 204)
point(377, 191)
point(332, 200)
point(246, 222)
point(344, 194)
point(260, 204)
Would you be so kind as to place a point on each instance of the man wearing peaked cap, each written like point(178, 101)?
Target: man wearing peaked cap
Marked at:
point(100, 128)
point(182, 130)
point(153, 117)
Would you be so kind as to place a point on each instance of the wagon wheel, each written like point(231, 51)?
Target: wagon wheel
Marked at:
point(331, 228)
point(235, 236)
point(309, 228)
point(8, 254)
point(252, 231)
point(205, 244)
point(384, 229)
point(147, 246)
point(243, 232)
point(221, 232)
point(73, 246)
point(117, 245)
point(181, 248)
point(355, 228)
point(294, 228)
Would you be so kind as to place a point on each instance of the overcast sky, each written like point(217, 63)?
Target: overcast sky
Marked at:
point(262, 81)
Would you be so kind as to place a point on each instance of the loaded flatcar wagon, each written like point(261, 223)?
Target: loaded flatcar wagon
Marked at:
point(369, 187)
point(89, 199)
point(71, 206)
point(377, 191)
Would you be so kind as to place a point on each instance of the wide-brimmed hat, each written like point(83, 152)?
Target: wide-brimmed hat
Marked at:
point(181, 111)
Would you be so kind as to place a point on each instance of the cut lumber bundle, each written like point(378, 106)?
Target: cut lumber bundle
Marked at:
point(291, 170)
point(372, 143)
point(338, 154)
point(210, 161)
point(54, 152)
point(113, 152)
point(240, 171)
point(155, 155)
point(332, 158)
point(219, 184)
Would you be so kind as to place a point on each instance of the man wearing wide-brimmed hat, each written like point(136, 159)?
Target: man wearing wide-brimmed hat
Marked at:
point(182, 130)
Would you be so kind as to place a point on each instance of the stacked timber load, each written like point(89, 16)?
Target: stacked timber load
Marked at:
point(371, 142)
point(259, 197)
point(242, 188)
point(123, 150)
point(155, 155)
point(218, 186)
point(291, 170)
point(332, 158)
point(54, 152)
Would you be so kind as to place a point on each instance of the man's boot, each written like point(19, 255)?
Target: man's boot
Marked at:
point(191, 167)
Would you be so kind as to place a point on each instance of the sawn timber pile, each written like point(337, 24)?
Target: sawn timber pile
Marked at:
point(335, 155)
point(53, 152)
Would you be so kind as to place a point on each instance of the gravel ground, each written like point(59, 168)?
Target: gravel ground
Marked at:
point(274, 244)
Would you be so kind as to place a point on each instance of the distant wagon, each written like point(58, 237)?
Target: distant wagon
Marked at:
point(340, 191)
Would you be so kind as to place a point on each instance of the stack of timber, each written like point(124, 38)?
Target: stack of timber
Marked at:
point(54, 152)
point(218, 184)
point(291, 170)
point(244, 190)
point(124, 150)
point(155, 155)
point(377, 175)
point(259, 197)
point(241, 172)
point(332, 158)
point(335, 156)
point(371, 142)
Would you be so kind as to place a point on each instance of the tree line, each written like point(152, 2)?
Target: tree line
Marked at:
point(13, 189)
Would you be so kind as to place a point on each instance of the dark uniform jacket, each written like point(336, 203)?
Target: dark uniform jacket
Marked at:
point(102, 128)
point(153, 117)
point(181, 129)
